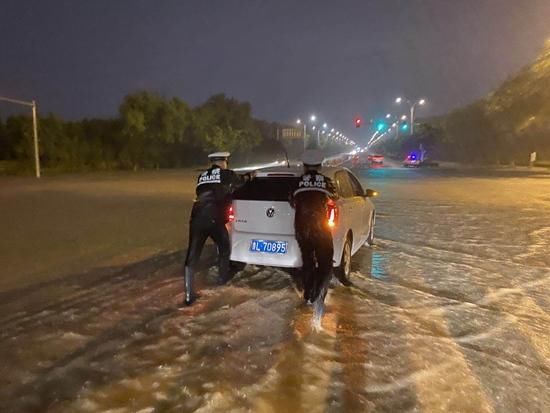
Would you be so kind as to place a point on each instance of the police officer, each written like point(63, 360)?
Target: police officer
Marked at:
point(208, 218)
point(311, 226)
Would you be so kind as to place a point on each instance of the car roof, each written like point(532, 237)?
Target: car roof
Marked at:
point(295, 171)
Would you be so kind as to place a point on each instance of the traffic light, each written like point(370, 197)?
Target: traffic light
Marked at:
point(357, 122)
point(404, 126)
point(380, 126)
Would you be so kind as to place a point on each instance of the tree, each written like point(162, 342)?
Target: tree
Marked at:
point(19, 132)
point(5, 146)
point(152, 127)
point(226, 124)
point(229, 139)
point(151, 131)
point(55, 146)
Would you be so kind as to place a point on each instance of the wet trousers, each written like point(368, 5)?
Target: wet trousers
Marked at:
point(317, 251)
point(202, 228)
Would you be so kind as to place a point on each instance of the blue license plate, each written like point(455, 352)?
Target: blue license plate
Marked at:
point(269, 247)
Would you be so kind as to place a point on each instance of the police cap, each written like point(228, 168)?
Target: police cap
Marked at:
point(312, 157)
point(219, 156)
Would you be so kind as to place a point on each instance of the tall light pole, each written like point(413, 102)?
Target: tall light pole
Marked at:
point(318, 133)
point(299, 121)
point(325, 126)
point(32, 104)
point(412, 106)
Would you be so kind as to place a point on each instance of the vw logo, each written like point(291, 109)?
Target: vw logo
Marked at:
point(270, 212)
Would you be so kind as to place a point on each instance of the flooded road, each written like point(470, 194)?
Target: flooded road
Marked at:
point(448, 312)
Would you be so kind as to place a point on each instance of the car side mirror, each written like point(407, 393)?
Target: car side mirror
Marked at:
point(369, 193)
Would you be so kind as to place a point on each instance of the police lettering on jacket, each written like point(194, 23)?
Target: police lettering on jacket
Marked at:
point(313, 182)
point(211, 176)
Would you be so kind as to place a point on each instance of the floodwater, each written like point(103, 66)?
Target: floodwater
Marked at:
point(449, 312)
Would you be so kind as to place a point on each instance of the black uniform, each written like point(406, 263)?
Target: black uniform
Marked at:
point(208, 218)
point(313, 233)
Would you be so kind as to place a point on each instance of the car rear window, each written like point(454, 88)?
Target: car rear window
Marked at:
point(267, 189)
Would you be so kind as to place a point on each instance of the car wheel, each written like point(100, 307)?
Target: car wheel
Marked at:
point(370, 238)
point(343, 271)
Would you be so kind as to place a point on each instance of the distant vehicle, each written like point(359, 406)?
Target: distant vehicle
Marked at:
point(376, 159)
point(261, 219)
point(412, 161)
point(336, 160)
point(359, 160)
point(364, 160)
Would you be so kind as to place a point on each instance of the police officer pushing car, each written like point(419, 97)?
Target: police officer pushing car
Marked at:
point(313, 234)
point(208, 218)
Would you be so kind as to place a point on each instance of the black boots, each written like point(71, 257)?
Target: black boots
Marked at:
point(190, 296)
point(226, 273)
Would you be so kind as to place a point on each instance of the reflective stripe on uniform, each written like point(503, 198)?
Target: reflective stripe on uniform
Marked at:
point(213, 181)
point(312, 189)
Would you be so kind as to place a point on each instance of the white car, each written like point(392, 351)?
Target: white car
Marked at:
point(261, 219)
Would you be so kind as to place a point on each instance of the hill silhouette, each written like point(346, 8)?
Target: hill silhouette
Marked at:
point(503, 127)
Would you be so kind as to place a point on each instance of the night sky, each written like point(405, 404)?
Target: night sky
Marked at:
point(337, 59)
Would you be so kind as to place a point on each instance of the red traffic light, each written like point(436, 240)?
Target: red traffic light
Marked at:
point(357, 122)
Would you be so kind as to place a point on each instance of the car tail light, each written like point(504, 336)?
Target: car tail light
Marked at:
point(332, 214)
point(230, 214)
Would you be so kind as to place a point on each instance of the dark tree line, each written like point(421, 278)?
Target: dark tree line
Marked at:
point(151, 131)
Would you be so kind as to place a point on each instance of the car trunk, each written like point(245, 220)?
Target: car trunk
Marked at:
point(262, 206)
point(262, 212)
point(263, 217)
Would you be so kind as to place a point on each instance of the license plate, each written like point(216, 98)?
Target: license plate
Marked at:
point(269, 247)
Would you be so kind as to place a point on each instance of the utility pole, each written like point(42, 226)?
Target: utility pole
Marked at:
point(32, 104)
point(35, 138)
point(305, 141)
point(412, 119)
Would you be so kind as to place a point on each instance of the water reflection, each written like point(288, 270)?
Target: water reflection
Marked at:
point(373, 262)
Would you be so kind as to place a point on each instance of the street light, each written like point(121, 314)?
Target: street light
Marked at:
point(32, 104)
point(396, 124)
point(412, 107)
point(299, 121)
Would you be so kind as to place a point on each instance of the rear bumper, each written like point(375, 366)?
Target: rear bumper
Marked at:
point(240, 250)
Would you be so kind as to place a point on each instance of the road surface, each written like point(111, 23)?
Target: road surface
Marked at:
point(449, 311)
